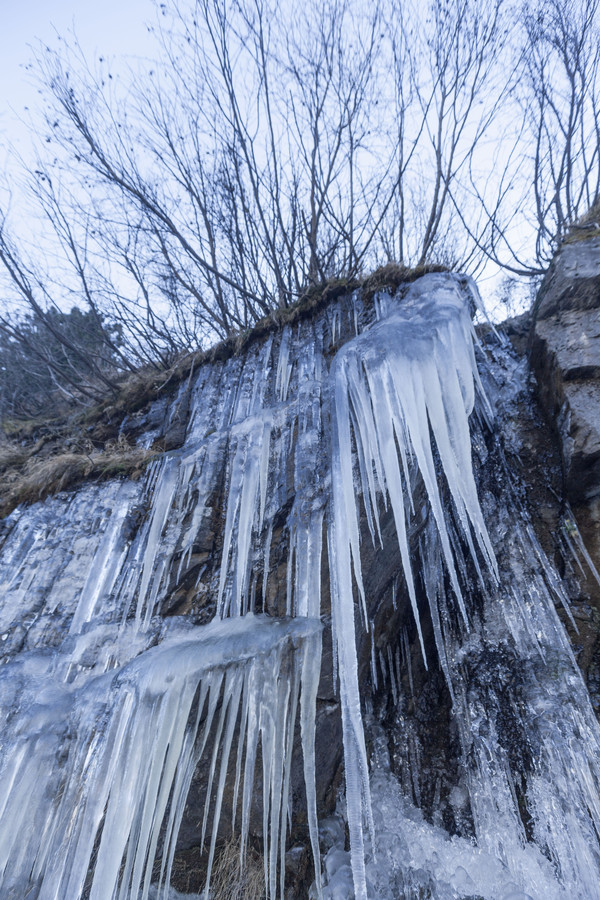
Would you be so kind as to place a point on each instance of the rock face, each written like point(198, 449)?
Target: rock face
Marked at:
point(572, 281)
point(185, 524)
point(565, 358)
point(564, 354)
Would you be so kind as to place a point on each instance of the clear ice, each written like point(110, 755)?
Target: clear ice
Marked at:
point(111, 702)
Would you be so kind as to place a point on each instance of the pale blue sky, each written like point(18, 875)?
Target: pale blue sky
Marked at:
point(108, 27)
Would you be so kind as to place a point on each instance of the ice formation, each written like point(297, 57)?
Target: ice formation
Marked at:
point(405, 388)
point(138, 736)
point(136, 654)
point(514, 630)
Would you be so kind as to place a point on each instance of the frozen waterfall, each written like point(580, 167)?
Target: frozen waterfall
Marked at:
point(162, 638)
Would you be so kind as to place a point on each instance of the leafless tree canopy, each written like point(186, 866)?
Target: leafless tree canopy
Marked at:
point(272, 146)
point(557, 151)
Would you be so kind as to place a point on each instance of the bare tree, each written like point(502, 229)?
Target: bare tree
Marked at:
point(550, 176)
point(563, 77)
point(289, 126)
point(267, 150)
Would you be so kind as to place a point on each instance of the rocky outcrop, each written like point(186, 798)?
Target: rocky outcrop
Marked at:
point(564, 354)
point(572, 282)
point(565, 358)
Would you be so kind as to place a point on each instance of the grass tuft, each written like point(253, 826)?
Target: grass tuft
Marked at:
point(231, 882)
point(32, 479)
point(586, 227)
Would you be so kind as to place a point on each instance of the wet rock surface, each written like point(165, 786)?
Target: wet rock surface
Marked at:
point(565, 359)
point(557, 427)
point(564, 353)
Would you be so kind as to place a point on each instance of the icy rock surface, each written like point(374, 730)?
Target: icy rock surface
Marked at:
point(528, 737)
point(108, 707)
point(310, 438)
point(132, 740)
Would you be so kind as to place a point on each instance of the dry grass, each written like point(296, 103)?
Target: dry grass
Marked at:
point(12, 455)
point(229, 883)
point(586, 227)
point(41, 478)
point(392, 275)
point(591, 217)
point(24, 429)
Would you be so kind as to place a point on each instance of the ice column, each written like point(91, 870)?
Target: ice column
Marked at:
point(405, 390)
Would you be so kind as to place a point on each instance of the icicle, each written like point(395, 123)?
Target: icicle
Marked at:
point(373, 660)
point(304, 559)
point(381, 301)
point(355, 755)
point(355, 310)
point(335, 322)
point(284, 367)
point(398, 667)
point(151, 573)
point(247, 486)
point(118, 784)
point(572, 537)
point(107, 564)
point(262, 378)
point(405, 385)
point(267, 556)
point(408, 662)
point(392, 675)
point(382, 666)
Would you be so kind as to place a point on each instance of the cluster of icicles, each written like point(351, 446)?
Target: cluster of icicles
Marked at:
point(110, 709)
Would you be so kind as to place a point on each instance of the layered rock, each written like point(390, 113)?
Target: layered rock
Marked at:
point(564, 351)
point(565, 357)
